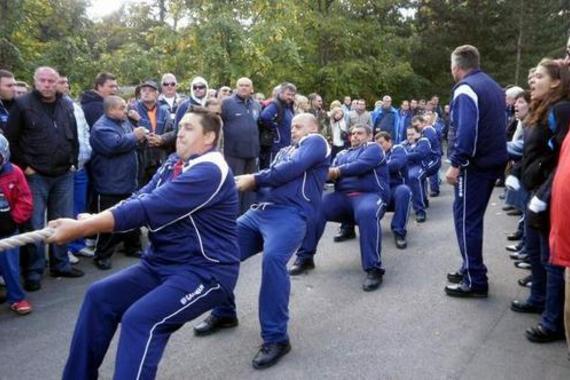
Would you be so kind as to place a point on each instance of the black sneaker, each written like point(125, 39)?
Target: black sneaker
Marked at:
point(421, 217)
point(344, 234)
point(71, 273)
point(461, 290)
point(103, 264)
point(400, 241)
point(301, 266)
point(455, 277)
point(213, 323)
point(32, 286)
point(269, 354)
point(373, 279)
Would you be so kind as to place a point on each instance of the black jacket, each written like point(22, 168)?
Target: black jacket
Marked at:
point(92, 105)
point(46, 143)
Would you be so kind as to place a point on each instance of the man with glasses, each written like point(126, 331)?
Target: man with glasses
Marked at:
point(168, 95)
point(198, 97)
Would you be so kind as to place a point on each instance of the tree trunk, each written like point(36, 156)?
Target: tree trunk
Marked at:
point(519, 43)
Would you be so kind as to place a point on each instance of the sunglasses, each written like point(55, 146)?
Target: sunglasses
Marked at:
point(198, 87)
point(170, 84)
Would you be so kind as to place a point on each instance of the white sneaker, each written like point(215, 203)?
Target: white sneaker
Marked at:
point(86, 252)
point(72, 258)
point(90, 243)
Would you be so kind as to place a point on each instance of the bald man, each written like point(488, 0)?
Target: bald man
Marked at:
point(114, 165)
point(386, 118)
point(241, 135)
point(42, 132)
point(291, 189)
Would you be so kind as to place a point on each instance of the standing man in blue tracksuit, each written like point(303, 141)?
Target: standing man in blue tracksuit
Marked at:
point(276, 117)
point(400, 193)
point(362, 192)
point(190, 207)
point(434, 163)
point(291, 191)
point(419, 156)
point(478, 159)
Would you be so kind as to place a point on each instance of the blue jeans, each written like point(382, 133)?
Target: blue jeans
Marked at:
point(80, 184)
point(10, 270)
point(536, 246)
point(54, 195)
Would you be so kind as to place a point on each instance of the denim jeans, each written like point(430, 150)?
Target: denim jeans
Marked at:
point(80, 183)
point(53, 195)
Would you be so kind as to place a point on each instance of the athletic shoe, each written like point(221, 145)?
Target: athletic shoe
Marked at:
point(22, 307)
point(72, 258)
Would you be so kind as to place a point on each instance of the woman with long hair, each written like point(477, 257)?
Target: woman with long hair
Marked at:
point(547, 123)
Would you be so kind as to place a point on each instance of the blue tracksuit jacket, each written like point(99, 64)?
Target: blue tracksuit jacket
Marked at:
point(363, 170)
point(478, 116)
point(397, 158)
point(297, 175)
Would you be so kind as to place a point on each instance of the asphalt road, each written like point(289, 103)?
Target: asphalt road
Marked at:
point(408, 329)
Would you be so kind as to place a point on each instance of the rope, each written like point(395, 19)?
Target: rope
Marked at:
point(25, 238)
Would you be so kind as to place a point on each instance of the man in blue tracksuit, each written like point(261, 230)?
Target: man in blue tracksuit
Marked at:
point(434, 163)
point(419, 156)
point(362, 192)
point(190, 207)
point(478, 159)
point(276, 117)
point(291, 191)
point(400, 193)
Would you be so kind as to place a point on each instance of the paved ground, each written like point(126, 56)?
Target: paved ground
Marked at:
point(408, 329)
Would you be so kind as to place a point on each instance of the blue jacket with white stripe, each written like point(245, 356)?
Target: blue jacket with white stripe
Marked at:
point(397, 159)
point(430, 133)
point(478, 116)
point(363, 169)
point(297, 175)
point(191, 218)
point(418, 153)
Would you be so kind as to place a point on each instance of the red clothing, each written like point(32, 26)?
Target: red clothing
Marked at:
point(560, 209)
point(17, 192)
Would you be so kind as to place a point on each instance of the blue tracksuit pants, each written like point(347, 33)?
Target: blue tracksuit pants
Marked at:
point(277, 231)
point(150, 303)
point(366, 210)
point(400, 201)
point(416, 178)
point(472, 194)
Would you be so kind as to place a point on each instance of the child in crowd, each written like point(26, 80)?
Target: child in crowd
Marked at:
point(15, 209)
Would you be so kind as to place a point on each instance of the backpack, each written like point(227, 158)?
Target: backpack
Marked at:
point(267, 135)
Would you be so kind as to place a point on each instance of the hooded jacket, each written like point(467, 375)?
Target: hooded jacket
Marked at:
point(92, 105)
point(14, 186)
point(192, 100)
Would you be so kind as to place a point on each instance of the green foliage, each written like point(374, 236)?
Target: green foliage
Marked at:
point(364, 48)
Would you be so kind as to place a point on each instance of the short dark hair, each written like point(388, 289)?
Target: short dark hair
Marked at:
point(418, 119)
point(103, 77)
point(385, 135)
point(6, 74)
point(414, 127)
point(466, 57)
point(209, 120)
point(362, 126)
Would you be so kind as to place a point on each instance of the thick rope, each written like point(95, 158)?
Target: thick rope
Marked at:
point(25, 238)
